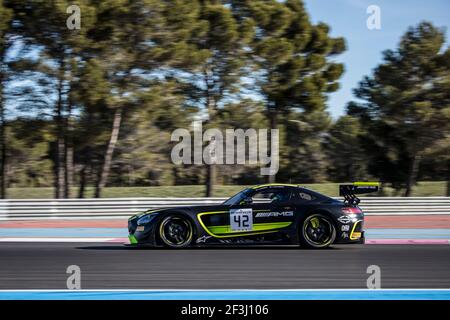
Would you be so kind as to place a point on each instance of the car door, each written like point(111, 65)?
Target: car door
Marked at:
point(270, 209)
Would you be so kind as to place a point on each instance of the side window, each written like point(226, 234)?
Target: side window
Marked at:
point(303, 196)
point(272, 195)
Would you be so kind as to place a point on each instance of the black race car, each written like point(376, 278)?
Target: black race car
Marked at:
point(264, 214)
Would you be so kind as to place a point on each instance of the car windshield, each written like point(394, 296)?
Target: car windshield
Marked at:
point(237, 198)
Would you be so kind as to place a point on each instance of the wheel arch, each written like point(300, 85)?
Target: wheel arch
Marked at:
point(321, 211)
point(325, 212)
point(176, 212)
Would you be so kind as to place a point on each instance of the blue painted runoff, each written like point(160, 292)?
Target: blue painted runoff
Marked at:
point(361, 294)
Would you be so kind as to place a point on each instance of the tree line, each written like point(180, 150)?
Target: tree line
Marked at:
point(96, 106)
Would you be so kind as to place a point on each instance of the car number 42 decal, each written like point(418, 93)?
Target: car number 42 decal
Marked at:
point(241, 219)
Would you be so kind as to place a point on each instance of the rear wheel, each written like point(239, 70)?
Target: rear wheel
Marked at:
point(176, 231)
point(317, 231)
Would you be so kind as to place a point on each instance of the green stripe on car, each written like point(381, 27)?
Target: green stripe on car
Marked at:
point(133, 239)
point(256, 227)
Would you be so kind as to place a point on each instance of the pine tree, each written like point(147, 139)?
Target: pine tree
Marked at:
point(295, 74)
point(343, 146)
point(6, 16)
point(406, 104)
point(219, 42)
point(44, 26)
point(136, 39)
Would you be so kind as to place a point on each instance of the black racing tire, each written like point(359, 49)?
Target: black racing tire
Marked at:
point(317, 231)
point(175, 231)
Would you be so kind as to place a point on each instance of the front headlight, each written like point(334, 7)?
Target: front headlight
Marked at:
point(145, 219)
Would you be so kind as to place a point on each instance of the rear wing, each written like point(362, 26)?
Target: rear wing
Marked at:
point(349, 191)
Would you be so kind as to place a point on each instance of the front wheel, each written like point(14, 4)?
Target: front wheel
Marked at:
point(175, 231)
point(317, 231)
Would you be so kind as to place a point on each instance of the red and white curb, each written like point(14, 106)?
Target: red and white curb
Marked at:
point(407, 241)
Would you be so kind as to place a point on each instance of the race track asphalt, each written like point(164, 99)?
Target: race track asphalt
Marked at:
point(115, 266)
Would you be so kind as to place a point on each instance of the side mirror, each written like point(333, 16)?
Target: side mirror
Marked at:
point(248, 200)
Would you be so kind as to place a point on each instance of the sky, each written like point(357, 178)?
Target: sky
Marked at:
point(347, 18)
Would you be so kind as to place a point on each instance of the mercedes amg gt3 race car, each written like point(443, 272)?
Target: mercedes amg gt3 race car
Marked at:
point(264, 214)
